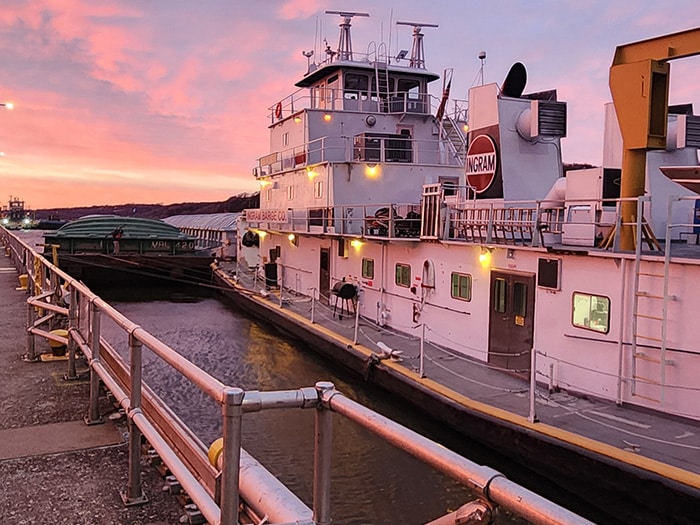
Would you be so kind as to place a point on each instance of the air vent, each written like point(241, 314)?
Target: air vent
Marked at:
point(692, 131)
point(544, 118)
point(551, 118)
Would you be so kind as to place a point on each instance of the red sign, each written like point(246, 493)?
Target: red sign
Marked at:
point(482, 162)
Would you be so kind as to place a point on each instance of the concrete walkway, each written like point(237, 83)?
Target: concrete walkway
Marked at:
point(54, 469)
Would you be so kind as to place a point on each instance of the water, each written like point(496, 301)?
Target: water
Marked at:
point(373, 482)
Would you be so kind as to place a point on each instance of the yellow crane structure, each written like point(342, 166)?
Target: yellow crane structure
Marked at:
point(639, 82)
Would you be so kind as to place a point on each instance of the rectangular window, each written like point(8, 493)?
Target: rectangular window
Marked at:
point(290, 193)
point(520, 299)
point(367, 268)
point(591, 312)
point(285, 139)
point(318, 189)
point(462, 286)
point(268, 194)
point(499, 295)
point(403, 275)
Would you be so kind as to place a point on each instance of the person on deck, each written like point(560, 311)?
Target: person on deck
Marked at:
point(117, 234)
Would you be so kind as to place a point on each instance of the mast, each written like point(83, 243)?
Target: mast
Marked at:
point(417, 51)
point(345, 42)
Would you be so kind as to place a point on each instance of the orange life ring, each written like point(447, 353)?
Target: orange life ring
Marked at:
point(278, 110)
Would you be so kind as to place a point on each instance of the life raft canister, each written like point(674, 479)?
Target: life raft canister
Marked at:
point(250, 238)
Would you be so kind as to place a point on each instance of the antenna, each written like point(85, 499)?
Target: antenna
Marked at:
point(417, 53)
point(482, 57)
point(345, 43)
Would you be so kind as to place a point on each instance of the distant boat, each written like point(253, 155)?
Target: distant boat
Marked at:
point(89, 248)
point(15, 216)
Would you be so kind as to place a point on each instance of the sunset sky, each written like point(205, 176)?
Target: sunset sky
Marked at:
point(164, 101)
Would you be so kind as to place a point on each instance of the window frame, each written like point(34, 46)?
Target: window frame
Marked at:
point(458, 286)
point(405, 269)
point(586, 322)
point(367, 265)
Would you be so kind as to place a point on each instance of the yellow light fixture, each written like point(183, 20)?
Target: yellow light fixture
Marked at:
point(485, 257)
point(310, 172)
point(261, 233)
point(293, 239)
point(327, 117)
point(297, 119)
point(465, 128)
point(356, 243)
point(264, 183)
point(372, 169)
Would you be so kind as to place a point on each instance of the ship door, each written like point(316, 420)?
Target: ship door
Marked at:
point(511, 325)
point(324, 285)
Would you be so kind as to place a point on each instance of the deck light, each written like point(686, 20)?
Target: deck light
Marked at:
point(485, 257)
point(372, 169)
point(356, 243)
point(327, 117)
point(297, 119)
point(310, 172)
point(293, 239)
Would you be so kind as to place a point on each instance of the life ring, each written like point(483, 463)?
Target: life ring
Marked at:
point(278, 111)
point(250, 238)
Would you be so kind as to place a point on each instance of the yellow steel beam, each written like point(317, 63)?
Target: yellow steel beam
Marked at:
point(639, 82)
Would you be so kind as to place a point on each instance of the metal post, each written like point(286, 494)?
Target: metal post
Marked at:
point(323, 449)
point(134, 493)
point(93, 417)
point(313, 305)
point(357, 321)
point(31, 351)
point(72, 325)
point(280, 270)
point(232, 410)
point(421, 367)
point(532, 416)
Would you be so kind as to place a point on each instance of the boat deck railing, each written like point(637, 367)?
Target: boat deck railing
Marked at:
point(582, 224)
point(372, 150)
point(216, 478)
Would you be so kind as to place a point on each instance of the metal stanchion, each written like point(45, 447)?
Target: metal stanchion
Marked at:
point(421, 369)
point(532, 416)
point(72, 325)
point(323, 450)
point(232, 410)
point(134, 493)
point(93, 417)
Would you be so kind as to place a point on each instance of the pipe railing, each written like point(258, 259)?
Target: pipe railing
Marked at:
point(184, 454)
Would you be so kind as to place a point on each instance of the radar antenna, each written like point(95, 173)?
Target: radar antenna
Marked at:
point(308, 55)
point(345, 43)
point(417, 53)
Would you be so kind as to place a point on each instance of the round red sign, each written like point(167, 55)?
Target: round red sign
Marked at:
point(481, 163)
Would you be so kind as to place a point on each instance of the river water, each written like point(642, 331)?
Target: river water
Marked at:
point(372, 481)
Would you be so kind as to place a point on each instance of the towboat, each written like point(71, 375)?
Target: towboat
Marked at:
point(15, 216)
point(109, 248)
point(463, 223)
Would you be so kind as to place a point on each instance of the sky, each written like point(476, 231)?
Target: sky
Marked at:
point(163, 101)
